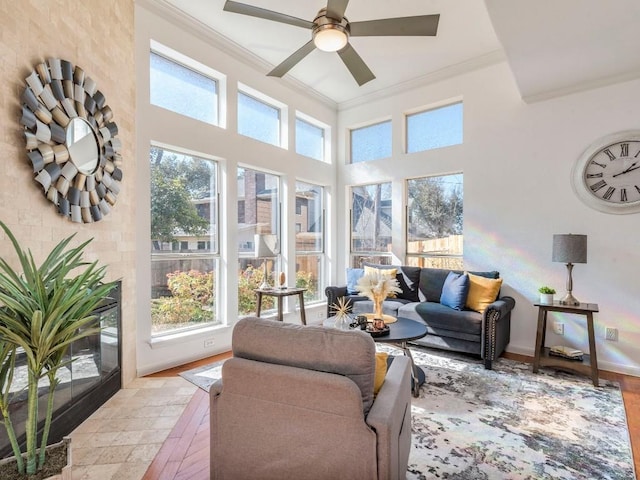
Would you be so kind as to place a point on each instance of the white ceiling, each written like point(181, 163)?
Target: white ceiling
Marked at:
point(553, 47)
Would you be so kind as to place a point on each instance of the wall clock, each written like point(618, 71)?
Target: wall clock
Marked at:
point(607, 175)
point(71, 140)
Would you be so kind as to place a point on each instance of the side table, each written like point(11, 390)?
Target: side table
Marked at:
point(280, 293)
point(589, 364)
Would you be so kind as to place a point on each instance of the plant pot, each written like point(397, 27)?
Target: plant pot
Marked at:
point(57, 465)
point(546, 298)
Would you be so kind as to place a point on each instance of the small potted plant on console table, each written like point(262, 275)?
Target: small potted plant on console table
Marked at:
point(546, 294)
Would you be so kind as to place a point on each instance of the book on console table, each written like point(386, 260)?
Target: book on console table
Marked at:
point(566, 352)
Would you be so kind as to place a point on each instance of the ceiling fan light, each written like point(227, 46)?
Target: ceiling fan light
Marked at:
point(330, 38)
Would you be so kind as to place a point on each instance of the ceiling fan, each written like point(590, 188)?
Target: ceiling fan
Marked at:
point(331, 30)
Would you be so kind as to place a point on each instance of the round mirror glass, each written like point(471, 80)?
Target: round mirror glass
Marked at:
point(82, 145)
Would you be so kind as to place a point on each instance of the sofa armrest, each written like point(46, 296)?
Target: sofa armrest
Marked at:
point(390, 417)
point(496, 326)
point(333, 294)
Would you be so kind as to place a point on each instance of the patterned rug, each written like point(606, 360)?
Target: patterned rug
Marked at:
point(508, 423)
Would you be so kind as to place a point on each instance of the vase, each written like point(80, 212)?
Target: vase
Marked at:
point(546, 298)
point(377, 307)
point(342, 322)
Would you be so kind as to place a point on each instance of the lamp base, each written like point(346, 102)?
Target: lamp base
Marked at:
point(265, 286)
point(569, 299)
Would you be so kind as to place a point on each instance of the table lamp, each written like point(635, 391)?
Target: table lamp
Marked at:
point(266, 247)
point(569, 249)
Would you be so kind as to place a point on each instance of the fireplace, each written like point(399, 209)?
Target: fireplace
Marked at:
point(88, 382)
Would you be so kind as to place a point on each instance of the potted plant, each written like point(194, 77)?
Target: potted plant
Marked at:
point(43, 310)
point(546, 294)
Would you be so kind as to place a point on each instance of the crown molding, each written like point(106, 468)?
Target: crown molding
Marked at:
point(582, 87)
point(177, 17)
point(491, 58)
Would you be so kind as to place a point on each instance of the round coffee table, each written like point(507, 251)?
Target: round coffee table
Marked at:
point(400, 332)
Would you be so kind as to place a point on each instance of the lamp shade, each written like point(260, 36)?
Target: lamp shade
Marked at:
point(568, 248)
point(266, 245)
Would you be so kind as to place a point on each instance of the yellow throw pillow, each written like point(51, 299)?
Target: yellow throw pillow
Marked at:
point(482, 292)
point(389, 272)
point(381, 371)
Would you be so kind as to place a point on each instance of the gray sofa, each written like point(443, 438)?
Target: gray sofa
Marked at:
point(485, 334)
point(297, 402)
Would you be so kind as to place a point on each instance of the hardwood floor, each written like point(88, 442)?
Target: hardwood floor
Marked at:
point(185, 453)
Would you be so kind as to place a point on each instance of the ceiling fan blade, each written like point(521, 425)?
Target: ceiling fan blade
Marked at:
point(422, 25)
point(356, 65)
point(293, 59)
point(244, 9)
point(336, 8)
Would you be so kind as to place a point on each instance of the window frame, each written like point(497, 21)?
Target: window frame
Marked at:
point(178, 254)
point(283, 114)
point(189, 63)
point(428, 109)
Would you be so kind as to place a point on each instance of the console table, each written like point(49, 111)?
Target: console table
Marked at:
point(280, 293)
point(589, 364)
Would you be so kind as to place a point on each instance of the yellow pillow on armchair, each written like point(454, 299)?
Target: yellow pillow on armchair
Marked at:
point(483, 291)
point(381, 371)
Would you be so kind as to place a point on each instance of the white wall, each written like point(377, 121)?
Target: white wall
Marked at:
point(517, 159)
point(231, 150)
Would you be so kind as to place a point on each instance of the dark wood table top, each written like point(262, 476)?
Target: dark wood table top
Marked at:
point(403, 330)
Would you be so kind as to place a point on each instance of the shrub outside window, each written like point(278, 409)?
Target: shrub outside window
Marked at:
point(371, 143)
point(440, 127)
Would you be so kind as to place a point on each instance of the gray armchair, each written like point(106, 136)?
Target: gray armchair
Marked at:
point(296, 402)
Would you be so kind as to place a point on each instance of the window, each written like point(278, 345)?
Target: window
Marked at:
point(309, 139)
point(440, 127)
point(183, 282)
point(371, 143)
point(258, 120)
point(435, 221)
point(259, 193)
point(371, 222)
point(183, 89)
point(310, 239)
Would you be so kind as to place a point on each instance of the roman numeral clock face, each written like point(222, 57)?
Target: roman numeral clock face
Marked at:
point(607, 175)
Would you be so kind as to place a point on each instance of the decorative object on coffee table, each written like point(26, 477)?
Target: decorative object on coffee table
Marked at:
point(377, 287)
point(569, 249)
point(341, 308)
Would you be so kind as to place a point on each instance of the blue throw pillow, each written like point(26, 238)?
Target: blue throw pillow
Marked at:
point(455, 290)
point(353, 275)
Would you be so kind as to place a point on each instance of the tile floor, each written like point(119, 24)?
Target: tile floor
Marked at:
point(120, 440)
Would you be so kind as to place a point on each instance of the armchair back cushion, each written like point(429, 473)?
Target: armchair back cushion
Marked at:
point(347, 353)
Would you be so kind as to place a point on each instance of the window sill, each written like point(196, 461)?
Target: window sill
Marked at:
point(186, 336)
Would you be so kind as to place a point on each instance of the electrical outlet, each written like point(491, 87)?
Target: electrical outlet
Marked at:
point(209, 342)
point(558, 328)
point(611, 334)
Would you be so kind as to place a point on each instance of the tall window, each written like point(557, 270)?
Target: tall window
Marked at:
point(371, 143)
point(435, 221)
point(309, 223)
point(440, 127)
point(184, 241)
point(258, 214)
point(183, 89)
point(371, 223)
point(258, 120)
point(309, 139)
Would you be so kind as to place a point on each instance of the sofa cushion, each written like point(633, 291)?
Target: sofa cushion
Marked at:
point(438, 316)
point(408, 279)
point(345, 352)
point(353, 275)
point(455, 290)
point(482, 292)
point(389, 306)
point(432, 280)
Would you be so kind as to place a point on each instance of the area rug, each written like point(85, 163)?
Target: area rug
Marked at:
point(507, 423)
